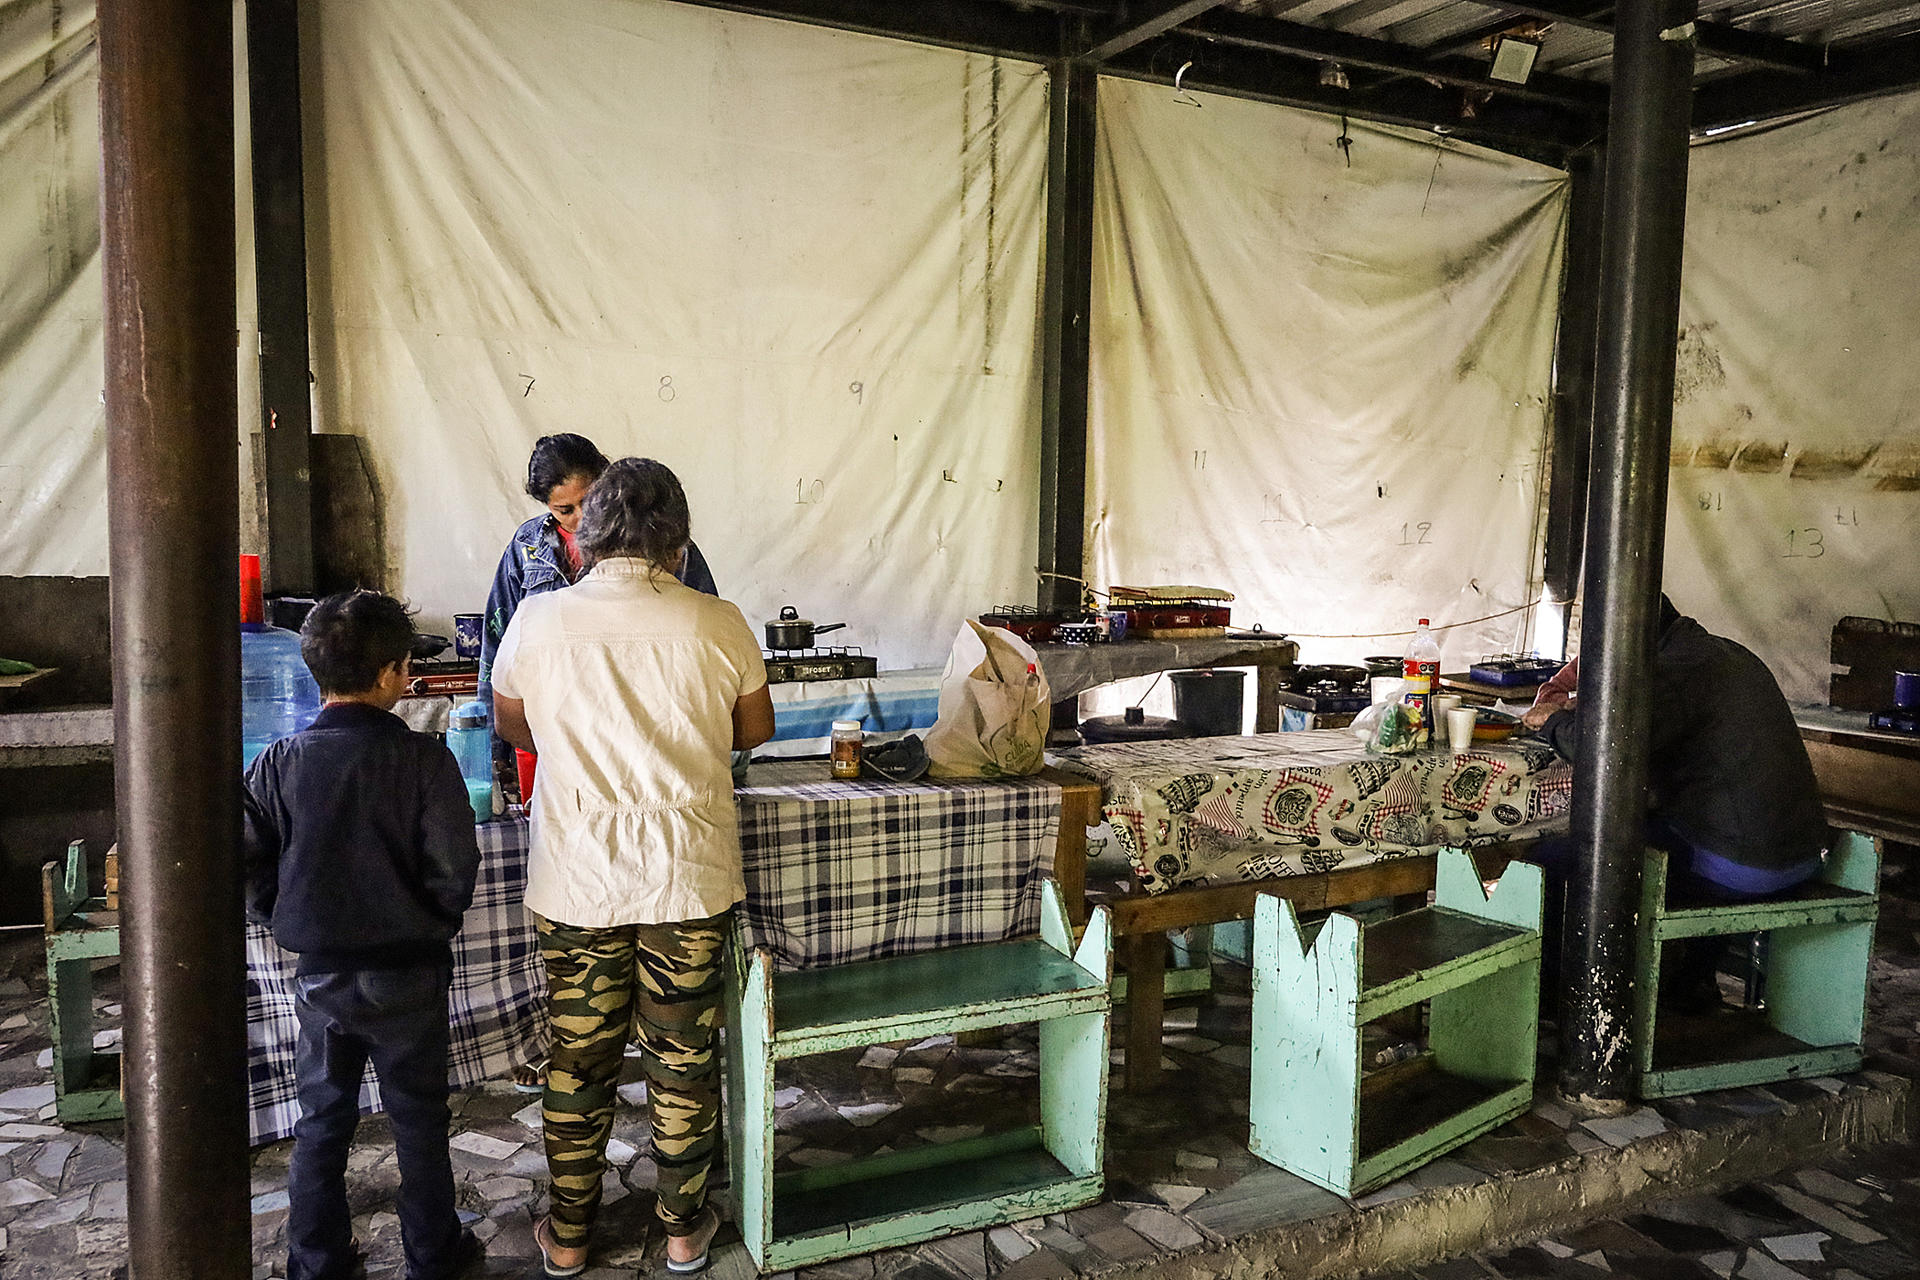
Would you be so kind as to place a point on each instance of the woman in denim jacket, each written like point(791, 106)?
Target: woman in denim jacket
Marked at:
point(541, 555)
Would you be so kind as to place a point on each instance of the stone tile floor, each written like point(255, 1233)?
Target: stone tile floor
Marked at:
point(1179, 1175)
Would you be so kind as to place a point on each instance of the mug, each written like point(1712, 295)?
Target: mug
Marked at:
point(466, 634)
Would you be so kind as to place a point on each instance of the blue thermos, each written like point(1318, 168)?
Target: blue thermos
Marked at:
point(471, 742)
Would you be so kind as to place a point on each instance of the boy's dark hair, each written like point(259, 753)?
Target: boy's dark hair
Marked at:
point(557, 459)
point(351, 637)
point(635, 508)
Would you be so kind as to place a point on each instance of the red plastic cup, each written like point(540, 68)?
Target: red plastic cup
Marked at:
point(524, 763)
point(253, 610)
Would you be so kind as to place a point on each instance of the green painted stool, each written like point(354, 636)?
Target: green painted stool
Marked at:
point(1475, 958)
point(812, 1215)
point(80, 930)
point(1819, 941)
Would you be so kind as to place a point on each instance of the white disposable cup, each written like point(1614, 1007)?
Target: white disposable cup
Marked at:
point(1460, 728)
point(1383, 687)
point(1443, 703)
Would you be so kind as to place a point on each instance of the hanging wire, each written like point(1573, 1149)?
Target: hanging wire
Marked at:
point(1445, 626)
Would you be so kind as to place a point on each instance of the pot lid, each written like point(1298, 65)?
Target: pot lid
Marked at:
point(789, 617)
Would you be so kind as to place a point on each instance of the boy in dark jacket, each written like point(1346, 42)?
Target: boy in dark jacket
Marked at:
point(360, 856)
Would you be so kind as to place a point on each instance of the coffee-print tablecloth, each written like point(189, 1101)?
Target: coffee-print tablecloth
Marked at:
point(1212, 810)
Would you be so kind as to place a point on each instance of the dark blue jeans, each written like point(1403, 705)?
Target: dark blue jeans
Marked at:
point(397, 1020)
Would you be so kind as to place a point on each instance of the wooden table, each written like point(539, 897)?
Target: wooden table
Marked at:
point(813, 852)
point(1141, 919)
point(1869, 778)
point(1074, 669)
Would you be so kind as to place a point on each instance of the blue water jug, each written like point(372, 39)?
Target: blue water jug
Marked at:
point(278, 695)
point(471, 742)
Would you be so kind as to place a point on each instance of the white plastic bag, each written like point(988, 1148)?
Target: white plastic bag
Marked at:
point(994, 708)
point(1367, 724)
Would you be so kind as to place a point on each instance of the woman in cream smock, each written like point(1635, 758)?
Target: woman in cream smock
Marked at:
point(633, 688)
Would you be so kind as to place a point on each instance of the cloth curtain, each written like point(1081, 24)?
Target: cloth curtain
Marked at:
point(1320, 371)
point(1794, 497)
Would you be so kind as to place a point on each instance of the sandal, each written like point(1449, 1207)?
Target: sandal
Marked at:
point(530, 1077)
point(542, 1234)
point(702, 1236)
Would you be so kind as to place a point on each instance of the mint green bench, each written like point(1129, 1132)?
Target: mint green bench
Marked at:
point(1819, 941)
point(1474, 958)
point(920, 1193)
point(79, 930)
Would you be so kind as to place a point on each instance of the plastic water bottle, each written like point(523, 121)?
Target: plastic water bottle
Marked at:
point(472, 746)
point(278, 695)
point(1420, 671)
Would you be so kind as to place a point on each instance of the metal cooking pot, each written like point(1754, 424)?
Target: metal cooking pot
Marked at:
point(426, 646)
point(791, 631)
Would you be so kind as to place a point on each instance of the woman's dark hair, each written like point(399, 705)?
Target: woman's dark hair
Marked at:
point(349, 638)
point(557, 459)
point(635, 508)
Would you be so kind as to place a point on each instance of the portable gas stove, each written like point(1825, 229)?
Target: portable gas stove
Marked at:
point(447, 678)
point(1035, 626)
point(1174, 613)
point(1333, 694)
point(1896, 720)
point(791, 666)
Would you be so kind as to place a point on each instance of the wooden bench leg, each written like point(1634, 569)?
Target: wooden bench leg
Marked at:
point(1146, 1007)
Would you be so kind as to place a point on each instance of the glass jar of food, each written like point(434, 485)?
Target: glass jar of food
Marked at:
point(845, 748)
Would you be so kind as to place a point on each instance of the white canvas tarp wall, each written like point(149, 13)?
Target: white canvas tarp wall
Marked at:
point(802, 267)
point(798, 266)
point(1323, 385)
point(1795, 494)
point(53, 464)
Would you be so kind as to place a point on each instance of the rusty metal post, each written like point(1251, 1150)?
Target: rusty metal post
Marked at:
point(166, 119)
point(1645, 221)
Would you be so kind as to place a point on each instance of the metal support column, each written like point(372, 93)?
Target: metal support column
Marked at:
point(166, 117)
point(1645, 218)
point(1065, 304)
point(1573, 360)
point(280, 284)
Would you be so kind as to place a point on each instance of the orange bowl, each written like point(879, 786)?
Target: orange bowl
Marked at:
point(1492, 726)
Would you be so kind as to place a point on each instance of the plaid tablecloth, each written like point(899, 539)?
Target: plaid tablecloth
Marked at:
point(498, 1005)
point(844, 871)
point(836, 872)
point(1210, 810)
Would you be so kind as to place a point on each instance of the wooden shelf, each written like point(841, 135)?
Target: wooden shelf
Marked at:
point(1820, 940)
point(816, 1215)
point(1410, 957)
point(1475, 958)
point(944, 1183)
point(965, 988)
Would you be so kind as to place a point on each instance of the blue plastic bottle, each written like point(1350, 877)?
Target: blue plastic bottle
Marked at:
point(472, 746)
point(278, 695)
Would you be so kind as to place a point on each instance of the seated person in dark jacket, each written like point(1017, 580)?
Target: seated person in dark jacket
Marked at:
point(360, 856)
point(1731, 795)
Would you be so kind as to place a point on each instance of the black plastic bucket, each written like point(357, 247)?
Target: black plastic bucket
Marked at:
point(1209, 702)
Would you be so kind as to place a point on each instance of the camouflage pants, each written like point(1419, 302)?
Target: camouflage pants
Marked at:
point(663, 981)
